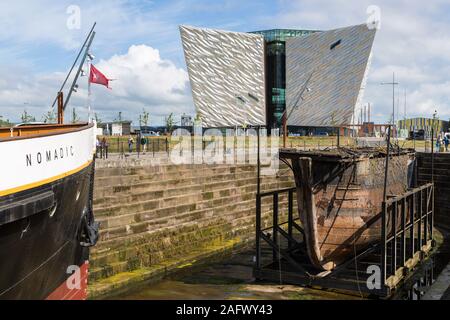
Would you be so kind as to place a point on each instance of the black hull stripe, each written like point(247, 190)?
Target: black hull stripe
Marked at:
point(35, 262)
point(36, 269)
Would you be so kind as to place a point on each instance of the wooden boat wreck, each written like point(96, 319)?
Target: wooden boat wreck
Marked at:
point(339, 196)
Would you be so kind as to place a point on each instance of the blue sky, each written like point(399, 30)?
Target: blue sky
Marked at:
point(138, 43)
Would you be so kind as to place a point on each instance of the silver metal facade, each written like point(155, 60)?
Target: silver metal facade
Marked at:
point(338, 62)
point(226, 72)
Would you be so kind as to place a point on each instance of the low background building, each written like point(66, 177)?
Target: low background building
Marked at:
point(186, 120)
point(116, 128)
point(425, 124)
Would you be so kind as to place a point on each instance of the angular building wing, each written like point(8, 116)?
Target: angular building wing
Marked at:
point(336, 63)
point(226, 72)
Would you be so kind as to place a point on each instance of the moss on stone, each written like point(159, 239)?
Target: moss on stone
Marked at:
point(208, 195)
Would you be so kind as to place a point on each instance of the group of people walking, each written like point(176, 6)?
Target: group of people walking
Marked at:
point(143, 142)
point(442, 141)
point(102, 148)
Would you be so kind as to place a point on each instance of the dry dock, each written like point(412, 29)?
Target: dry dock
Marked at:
point(159, 220)
point(156, 219)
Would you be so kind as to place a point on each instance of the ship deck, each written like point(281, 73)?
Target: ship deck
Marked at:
point(340, 154)
point(37, 130)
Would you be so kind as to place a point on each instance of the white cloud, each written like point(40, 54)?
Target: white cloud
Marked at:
point(19, 90)
point(411, 75)
point(413, 42)
point(143, 80)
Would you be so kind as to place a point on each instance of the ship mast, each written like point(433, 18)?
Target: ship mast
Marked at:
point(59, 98)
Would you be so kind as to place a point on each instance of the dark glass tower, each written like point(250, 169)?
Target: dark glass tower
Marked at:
point(275, 41)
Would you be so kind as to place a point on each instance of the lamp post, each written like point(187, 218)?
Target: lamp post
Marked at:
point(433, 125)
point(393, 83)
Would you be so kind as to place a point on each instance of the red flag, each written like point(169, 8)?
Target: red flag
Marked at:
point(96, 76)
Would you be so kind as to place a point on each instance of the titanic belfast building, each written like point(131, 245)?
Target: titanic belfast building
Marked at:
point(312, 78)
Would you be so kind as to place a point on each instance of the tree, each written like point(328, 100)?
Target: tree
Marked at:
point(26, 117)
point(143, 118)
point(49, 117)
point(75, 117)
point(97, 119)
point(4, 122)
point(197, 120)
point(170, 123)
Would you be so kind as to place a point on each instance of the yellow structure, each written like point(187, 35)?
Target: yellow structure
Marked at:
point(425, 124)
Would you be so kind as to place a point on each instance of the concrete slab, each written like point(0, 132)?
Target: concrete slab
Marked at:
point(440, 286)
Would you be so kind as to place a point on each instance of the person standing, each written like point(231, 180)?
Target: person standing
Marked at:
point(144, 143)
point(438, 143)
point(105, 148)
point(130, 144)
point(97, 145)
point(446, 142)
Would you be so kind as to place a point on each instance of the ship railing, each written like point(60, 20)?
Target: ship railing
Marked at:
point(396, 254)
point(406, 232)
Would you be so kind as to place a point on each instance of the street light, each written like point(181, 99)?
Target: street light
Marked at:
point(433, 125)
point(393, 83)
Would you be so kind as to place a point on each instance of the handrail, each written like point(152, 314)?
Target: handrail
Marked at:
point(31, 131)
point(418, 205)
point(271, 193)
point(408, 193)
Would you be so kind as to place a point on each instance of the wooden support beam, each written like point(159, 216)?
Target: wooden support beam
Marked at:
point(60, 108)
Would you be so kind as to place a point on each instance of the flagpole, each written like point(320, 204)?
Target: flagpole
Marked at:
point(74, 63)
point(89, 89)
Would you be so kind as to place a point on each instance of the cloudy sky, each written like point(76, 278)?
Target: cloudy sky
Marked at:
point(138, 43)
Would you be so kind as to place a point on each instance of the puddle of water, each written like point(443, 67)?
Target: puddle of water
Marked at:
point(232, 279)
point(173, 290)
point(226, 280)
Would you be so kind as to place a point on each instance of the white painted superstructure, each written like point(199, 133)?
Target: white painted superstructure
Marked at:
point(32, 161)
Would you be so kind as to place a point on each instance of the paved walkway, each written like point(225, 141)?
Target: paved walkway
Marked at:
point(133, 159)
point(440, 290)
point(446, 295)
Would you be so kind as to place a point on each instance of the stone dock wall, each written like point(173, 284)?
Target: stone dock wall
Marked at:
point(441, 181)
point(155, 219)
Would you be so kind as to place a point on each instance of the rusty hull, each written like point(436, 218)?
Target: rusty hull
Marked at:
point(340, 195)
